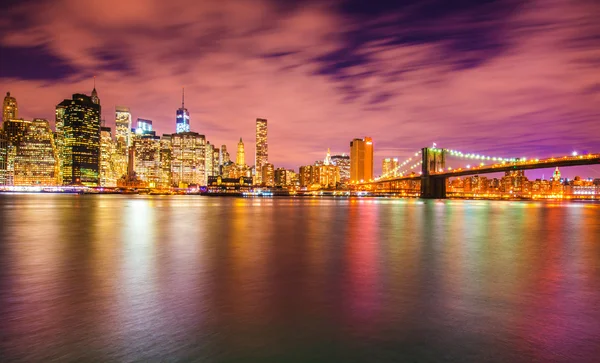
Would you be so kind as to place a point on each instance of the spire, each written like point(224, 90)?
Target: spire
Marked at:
point(95, 97)
point(182, 97)
point(327, 160)
point(241, 139)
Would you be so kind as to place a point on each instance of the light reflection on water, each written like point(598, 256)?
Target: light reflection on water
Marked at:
point(184, 278)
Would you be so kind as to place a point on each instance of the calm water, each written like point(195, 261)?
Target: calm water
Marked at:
point(197, 279)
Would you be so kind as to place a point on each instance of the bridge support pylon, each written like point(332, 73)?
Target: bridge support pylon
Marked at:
point(433, 187)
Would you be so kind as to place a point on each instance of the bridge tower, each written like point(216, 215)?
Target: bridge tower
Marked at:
point(432, 186)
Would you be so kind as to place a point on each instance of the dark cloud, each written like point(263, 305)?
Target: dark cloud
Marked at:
point(33, 63)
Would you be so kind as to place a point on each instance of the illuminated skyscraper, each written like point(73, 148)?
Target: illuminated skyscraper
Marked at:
point(240, 159)
point(343, 163)
point(187, 159)
point(389, 167)
point(361, 159)
point(262, 148)
point(143, 126)
point(281, 177)
point(208, 159)
point(15, 130)
point(183, 117)
point(108, 175)
point(81, 140)
point(166, 150)
point(556, 175)
point(268, 175)
point(36, 161)
point(122, 129)
point(10, 111)
point(147, 158)
point(6, 176)
point(216, 161)
point(224, 156)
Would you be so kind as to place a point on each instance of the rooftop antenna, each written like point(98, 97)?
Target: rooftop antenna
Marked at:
point(182, 96)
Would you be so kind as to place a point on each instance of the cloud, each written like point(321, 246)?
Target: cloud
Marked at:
point(486, 76)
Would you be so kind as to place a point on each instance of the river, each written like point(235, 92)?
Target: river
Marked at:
point(113, 278)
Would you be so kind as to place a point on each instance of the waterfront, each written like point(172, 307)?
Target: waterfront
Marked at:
point(190, 278)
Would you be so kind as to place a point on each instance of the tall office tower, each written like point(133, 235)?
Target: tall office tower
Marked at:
point(166, 150)
point(187, 158)
point(281, 177)
point(183, 117)
point(343, 163)
point(389, 167)
point(15, 130)
point(81, 140)
point(268, 175)
point(306, 175)
point(361, 159)
point(240, 159)
point(262, 148)
point(327, 176)
point(143, 126)
point(5, 173)
point(36, 159)
point(122, 129)
point(147, 158)
point(59, 136)
point(10, 111)
point(216, 161)
point(108, 175)
point(224, 157)
point(208, 159)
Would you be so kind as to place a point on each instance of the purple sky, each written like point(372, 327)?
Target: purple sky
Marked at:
point(506, 78)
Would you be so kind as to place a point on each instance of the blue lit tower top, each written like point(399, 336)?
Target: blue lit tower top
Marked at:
point(183, 117)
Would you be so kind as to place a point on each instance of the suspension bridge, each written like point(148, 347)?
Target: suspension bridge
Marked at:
point(427, 170)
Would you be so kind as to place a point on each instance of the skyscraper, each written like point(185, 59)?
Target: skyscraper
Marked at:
point(166, 150)
point(36, 161)
point(147, 158)
point(81, 139)
point(143, 126)
point(268, 174)
point(240, 159)
point(343, 163)
point(361, 159)
point(10, 111)
point(108, 177)
point(183, 117)
point(187, 159)
point(389, 167)
point(122, 129)
point(262, 148)
point(224, 156)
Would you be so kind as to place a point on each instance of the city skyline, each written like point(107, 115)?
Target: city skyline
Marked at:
point(518, 79)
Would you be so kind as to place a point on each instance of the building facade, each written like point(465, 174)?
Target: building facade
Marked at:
point(147, 158)
point(361, 160)
point(343, 163)
point(389, 167)
point(268, 175)
point(80, 134)
point(36, 158)
point(262, 148)
point(187, 159)
point(108, 174)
